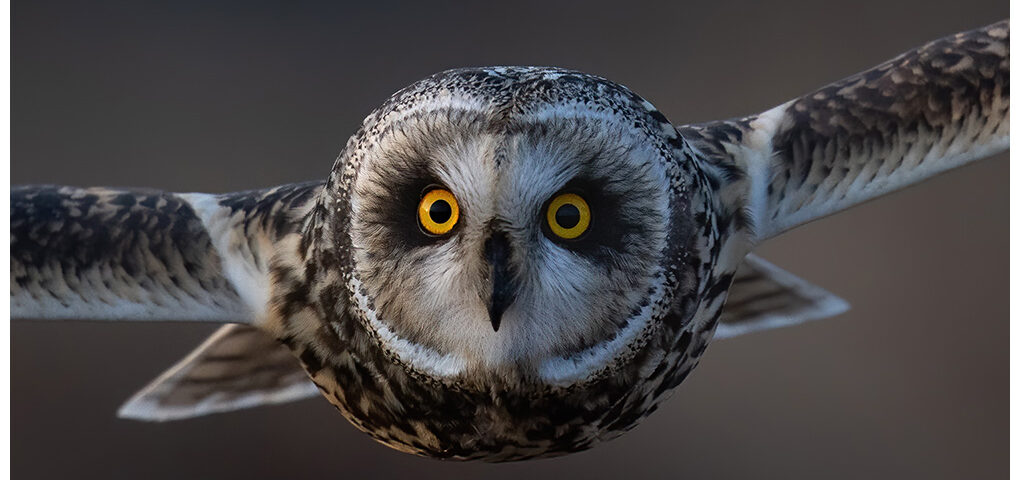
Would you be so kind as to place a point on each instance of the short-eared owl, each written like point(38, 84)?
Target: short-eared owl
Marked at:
point(505, 262)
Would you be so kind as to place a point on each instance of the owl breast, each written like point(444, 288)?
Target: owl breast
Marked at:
point(419, 415)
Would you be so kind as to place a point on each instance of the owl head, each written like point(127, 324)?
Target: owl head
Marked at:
point(513, 226)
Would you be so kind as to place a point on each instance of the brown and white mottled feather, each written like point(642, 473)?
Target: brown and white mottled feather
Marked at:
point(123, 254)
point(931, 109)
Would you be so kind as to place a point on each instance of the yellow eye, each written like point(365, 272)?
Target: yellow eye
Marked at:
point(438, 211)
point(568, 216)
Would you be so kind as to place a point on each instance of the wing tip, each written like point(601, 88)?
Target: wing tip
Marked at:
point(138, 408)
point(142, 407)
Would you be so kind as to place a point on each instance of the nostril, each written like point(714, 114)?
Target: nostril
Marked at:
point(497, 248)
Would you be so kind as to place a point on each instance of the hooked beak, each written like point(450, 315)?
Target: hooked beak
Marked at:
point(504, 288)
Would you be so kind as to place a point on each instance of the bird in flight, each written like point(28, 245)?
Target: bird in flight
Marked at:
point(506, 262)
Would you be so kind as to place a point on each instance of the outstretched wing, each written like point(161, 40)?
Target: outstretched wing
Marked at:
point(931, 109)
point(109, 254)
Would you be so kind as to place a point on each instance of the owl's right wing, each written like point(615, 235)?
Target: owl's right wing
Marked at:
point(931, 109)
point(118, 254)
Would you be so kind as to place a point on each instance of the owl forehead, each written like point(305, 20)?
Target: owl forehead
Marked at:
point(466, 124)
point(507, 94)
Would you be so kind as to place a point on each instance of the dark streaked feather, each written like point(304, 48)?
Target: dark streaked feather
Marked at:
point(119, 254)
point(96, 253)
point(934, 108)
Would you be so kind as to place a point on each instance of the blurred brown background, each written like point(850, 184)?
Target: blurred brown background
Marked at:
point(189, 96)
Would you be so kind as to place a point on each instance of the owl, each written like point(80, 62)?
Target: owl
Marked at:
point(504, 263)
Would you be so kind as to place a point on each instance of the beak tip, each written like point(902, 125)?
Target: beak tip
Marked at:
point(497, 254)
point(495, 318)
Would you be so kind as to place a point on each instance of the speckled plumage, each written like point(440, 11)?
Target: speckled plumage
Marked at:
point(921, 113)
point(388, 323)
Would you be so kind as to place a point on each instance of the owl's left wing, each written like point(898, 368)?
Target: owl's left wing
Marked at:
point(934, 108)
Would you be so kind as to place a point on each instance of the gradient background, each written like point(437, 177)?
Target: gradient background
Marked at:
point(911, 383)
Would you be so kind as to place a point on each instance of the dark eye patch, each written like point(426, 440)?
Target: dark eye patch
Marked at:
point(393, 202)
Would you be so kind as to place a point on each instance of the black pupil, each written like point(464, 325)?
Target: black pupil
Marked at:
point(568, 216)
point(440, 211)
